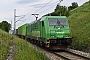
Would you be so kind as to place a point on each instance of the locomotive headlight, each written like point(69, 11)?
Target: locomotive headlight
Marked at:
point(66, 35)
point(52, 35)
point(59, 28)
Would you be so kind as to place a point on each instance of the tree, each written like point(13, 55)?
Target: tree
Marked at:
point(60, 10)
point(4, 25)
point(70, 8)
point(74, 5)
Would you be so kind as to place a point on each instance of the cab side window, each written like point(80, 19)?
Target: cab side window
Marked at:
point(42, 23)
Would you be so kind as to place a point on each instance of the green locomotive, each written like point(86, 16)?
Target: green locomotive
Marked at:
point(49, 31)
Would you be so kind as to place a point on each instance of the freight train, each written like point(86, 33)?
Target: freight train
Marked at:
point(49, 31)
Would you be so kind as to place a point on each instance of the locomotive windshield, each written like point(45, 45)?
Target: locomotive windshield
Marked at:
point(58, 22)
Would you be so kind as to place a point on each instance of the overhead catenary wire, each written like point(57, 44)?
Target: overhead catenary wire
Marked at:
point(32, 9)
point(50, 6)
point(39, 9)
point(35, 7)
point(43, 6)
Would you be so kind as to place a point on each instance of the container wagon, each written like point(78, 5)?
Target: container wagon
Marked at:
point(22, 31)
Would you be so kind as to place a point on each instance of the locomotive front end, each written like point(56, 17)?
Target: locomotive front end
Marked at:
point(59, 33)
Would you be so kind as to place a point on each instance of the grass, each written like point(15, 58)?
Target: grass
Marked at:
point(4, 44)
point(79, 20)
point(23, 49)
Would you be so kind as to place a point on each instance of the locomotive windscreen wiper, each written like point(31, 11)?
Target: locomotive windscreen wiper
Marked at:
point(58, 22)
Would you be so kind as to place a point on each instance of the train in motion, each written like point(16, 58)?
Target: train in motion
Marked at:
point(49, 31)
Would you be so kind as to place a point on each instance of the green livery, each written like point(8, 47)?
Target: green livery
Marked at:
point(43, 29)
point(49, 31)
point(22, 30)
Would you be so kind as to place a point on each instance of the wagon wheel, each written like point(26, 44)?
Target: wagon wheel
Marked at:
point(41, 43)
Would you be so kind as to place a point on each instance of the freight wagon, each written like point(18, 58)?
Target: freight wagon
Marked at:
point(22, 31)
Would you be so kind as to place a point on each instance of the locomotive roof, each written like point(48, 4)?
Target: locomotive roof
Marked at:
point(44, 17)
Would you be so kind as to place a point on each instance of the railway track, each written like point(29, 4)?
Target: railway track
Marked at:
point(62, 55)
point(70, 56)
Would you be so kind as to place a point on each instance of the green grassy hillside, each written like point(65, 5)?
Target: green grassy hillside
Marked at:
point(23, 49)
point(79, 20)
point(4, 44)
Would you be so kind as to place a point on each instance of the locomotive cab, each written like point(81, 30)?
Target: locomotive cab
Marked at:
point(58, 33)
